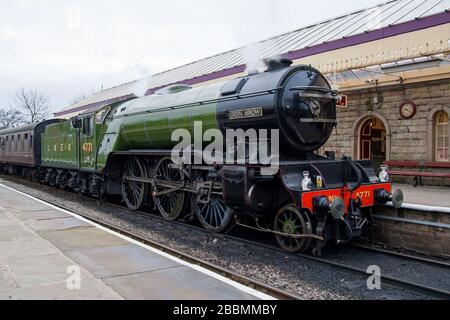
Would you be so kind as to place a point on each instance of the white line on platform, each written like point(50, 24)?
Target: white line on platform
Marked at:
point(421, 207)
point(232, 283)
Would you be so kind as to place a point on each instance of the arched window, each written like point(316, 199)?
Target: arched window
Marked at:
point(441, 131)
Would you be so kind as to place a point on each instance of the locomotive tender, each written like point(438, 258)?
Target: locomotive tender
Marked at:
point(124, 149)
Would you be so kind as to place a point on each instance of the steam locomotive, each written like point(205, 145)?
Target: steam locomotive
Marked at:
point(125, 149)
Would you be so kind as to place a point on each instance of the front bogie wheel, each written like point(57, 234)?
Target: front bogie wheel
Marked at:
point(291, 221)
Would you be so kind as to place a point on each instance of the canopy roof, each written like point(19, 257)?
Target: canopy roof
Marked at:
point(388, 19)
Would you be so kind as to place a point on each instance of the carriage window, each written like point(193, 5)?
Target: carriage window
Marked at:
point(441, 132)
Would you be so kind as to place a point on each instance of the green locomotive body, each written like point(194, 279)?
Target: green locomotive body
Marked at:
point(88, 141)
point(124, 149)
point(59, 146)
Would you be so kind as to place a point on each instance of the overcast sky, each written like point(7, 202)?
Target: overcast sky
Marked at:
point(70, 47)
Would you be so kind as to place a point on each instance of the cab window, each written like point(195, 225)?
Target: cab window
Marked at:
point(101, 115)
point(88, 126)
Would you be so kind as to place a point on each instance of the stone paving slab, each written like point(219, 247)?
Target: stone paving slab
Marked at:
point(182, 283)
point(12, 250)
point(31, 268)
point(41, 270)
point(81, 238)
point(120, 260)
point(91, 289)
point(25, 205)
point(39, 245)
point(14, 232)
point(38, 215)
point(6, 220)
point(56, 224)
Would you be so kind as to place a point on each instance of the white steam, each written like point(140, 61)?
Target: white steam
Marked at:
point(251, 24)
point(253, 59)
point(140, 87)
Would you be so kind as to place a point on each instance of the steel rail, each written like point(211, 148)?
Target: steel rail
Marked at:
point(391, 281)
point(403, 255)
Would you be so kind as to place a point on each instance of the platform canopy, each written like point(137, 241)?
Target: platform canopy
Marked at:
point(392, 32)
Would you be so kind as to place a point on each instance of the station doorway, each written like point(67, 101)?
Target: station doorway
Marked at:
point(372, 141)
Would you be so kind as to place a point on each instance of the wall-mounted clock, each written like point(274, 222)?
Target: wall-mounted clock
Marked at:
point(408, 110)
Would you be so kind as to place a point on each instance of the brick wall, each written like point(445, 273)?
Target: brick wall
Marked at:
point(424, 239)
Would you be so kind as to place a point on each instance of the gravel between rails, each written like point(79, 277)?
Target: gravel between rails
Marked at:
point(307, 279)
point(399, 267)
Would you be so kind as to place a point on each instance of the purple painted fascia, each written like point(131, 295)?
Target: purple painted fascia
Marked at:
point(204, 78)
point(390, 31)
point(94, 105)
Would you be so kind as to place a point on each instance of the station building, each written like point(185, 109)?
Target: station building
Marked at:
point(392, 61)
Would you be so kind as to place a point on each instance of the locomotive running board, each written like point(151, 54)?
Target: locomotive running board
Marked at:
point(160, 152)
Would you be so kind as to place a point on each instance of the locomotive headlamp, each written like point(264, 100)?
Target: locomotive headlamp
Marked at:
point(306, 182)
point(384, 174)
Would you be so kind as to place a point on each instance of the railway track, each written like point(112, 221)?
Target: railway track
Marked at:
point(269, 290)
point(385, 279)
point(402, 255)
point(392, 281)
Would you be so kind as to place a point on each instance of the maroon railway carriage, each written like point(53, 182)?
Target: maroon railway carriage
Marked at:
point(20, 147)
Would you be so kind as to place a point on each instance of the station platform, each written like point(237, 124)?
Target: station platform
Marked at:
point(422, 225)
point(426, 196)
point(49, 254)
